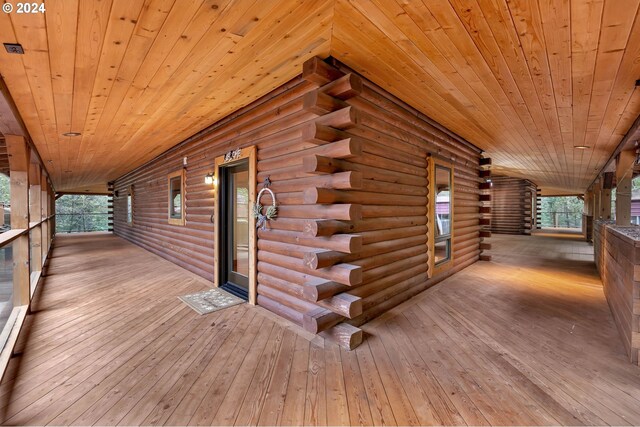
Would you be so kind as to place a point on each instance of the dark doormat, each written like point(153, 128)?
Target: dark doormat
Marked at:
point(211, 300)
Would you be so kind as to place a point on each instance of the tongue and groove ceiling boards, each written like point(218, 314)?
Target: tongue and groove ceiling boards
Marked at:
point(524, 80)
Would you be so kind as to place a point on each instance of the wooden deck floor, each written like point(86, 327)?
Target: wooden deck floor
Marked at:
point(525, 339)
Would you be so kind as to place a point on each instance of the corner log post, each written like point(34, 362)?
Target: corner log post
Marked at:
point(485, 208)
point(328, 274)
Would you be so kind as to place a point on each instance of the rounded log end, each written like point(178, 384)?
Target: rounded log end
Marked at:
point(310, 196)
point(310, 163)
point(310, 228)
point(311, 260)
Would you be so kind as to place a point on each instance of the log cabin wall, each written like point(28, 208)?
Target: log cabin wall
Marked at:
point(348, 164)
point(512, 205)
point(617, 257)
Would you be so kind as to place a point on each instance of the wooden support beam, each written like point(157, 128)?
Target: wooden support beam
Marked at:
point(317, 71)
point(605, 204)
point(588, 203)
point(624, 175)
point(35, 215)
point(19, 153)
point(10, 121)
point(45, 212)
point(597, 193)
point(607, 180)
point(19, 161)
point(35, 202)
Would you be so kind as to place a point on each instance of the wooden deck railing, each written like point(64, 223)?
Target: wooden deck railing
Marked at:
point(39, 239)
point(38, 235)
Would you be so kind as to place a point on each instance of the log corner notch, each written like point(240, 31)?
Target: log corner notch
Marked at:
point(329, 102)
point(485, 207)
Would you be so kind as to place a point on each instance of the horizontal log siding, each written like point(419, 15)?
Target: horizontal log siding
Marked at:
point(618, 261)
point(267, 122)
point(368, 203)
point(395, 134)
point(511, 205)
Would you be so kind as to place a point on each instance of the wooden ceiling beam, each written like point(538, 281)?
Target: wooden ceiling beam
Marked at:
point(10, 121)
point(19, 153)
point(629, 141)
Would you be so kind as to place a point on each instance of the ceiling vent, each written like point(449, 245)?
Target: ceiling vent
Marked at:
point(14, 48)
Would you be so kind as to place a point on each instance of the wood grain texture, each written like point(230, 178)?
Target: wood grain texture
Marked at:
point(526, 81)
point(360, 225)
point(617, 258)
point(493, 344)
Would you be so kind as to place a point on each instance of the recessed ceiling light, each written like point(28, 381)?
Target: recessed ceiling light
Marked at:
point(71, 134)
point(581, 147)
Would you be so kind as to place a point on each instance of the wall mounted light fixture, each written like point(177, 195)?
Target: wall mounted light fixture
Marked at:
point(210, 179)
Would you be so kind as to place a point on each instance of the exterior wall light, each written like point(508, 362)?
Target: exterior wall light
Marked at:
point(210, 179)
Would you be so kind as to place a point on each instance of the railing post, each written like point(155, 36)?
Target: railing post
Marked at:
point(35, 215)
point(624, 174)
point(52, 210)
point(597, 193)
point(19, 155)
point(44, 213)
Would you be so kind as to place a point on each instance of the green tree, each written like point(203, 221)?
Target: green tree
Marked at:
point(5, 193)
point(80, 213)
point(561, 212)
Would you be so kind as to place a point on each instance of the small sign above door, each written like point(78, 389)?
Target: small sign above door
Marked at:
point(233, 155)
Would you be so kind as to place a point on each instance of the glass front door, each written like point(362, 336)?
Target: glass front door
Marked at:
point(234, 228)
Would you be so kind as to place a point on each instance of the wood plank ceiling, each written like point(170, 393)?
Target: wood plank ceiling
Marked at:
point(525, 80)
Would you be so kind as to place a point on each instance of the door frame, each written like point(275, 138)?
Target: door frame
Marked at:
point(250, 154)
